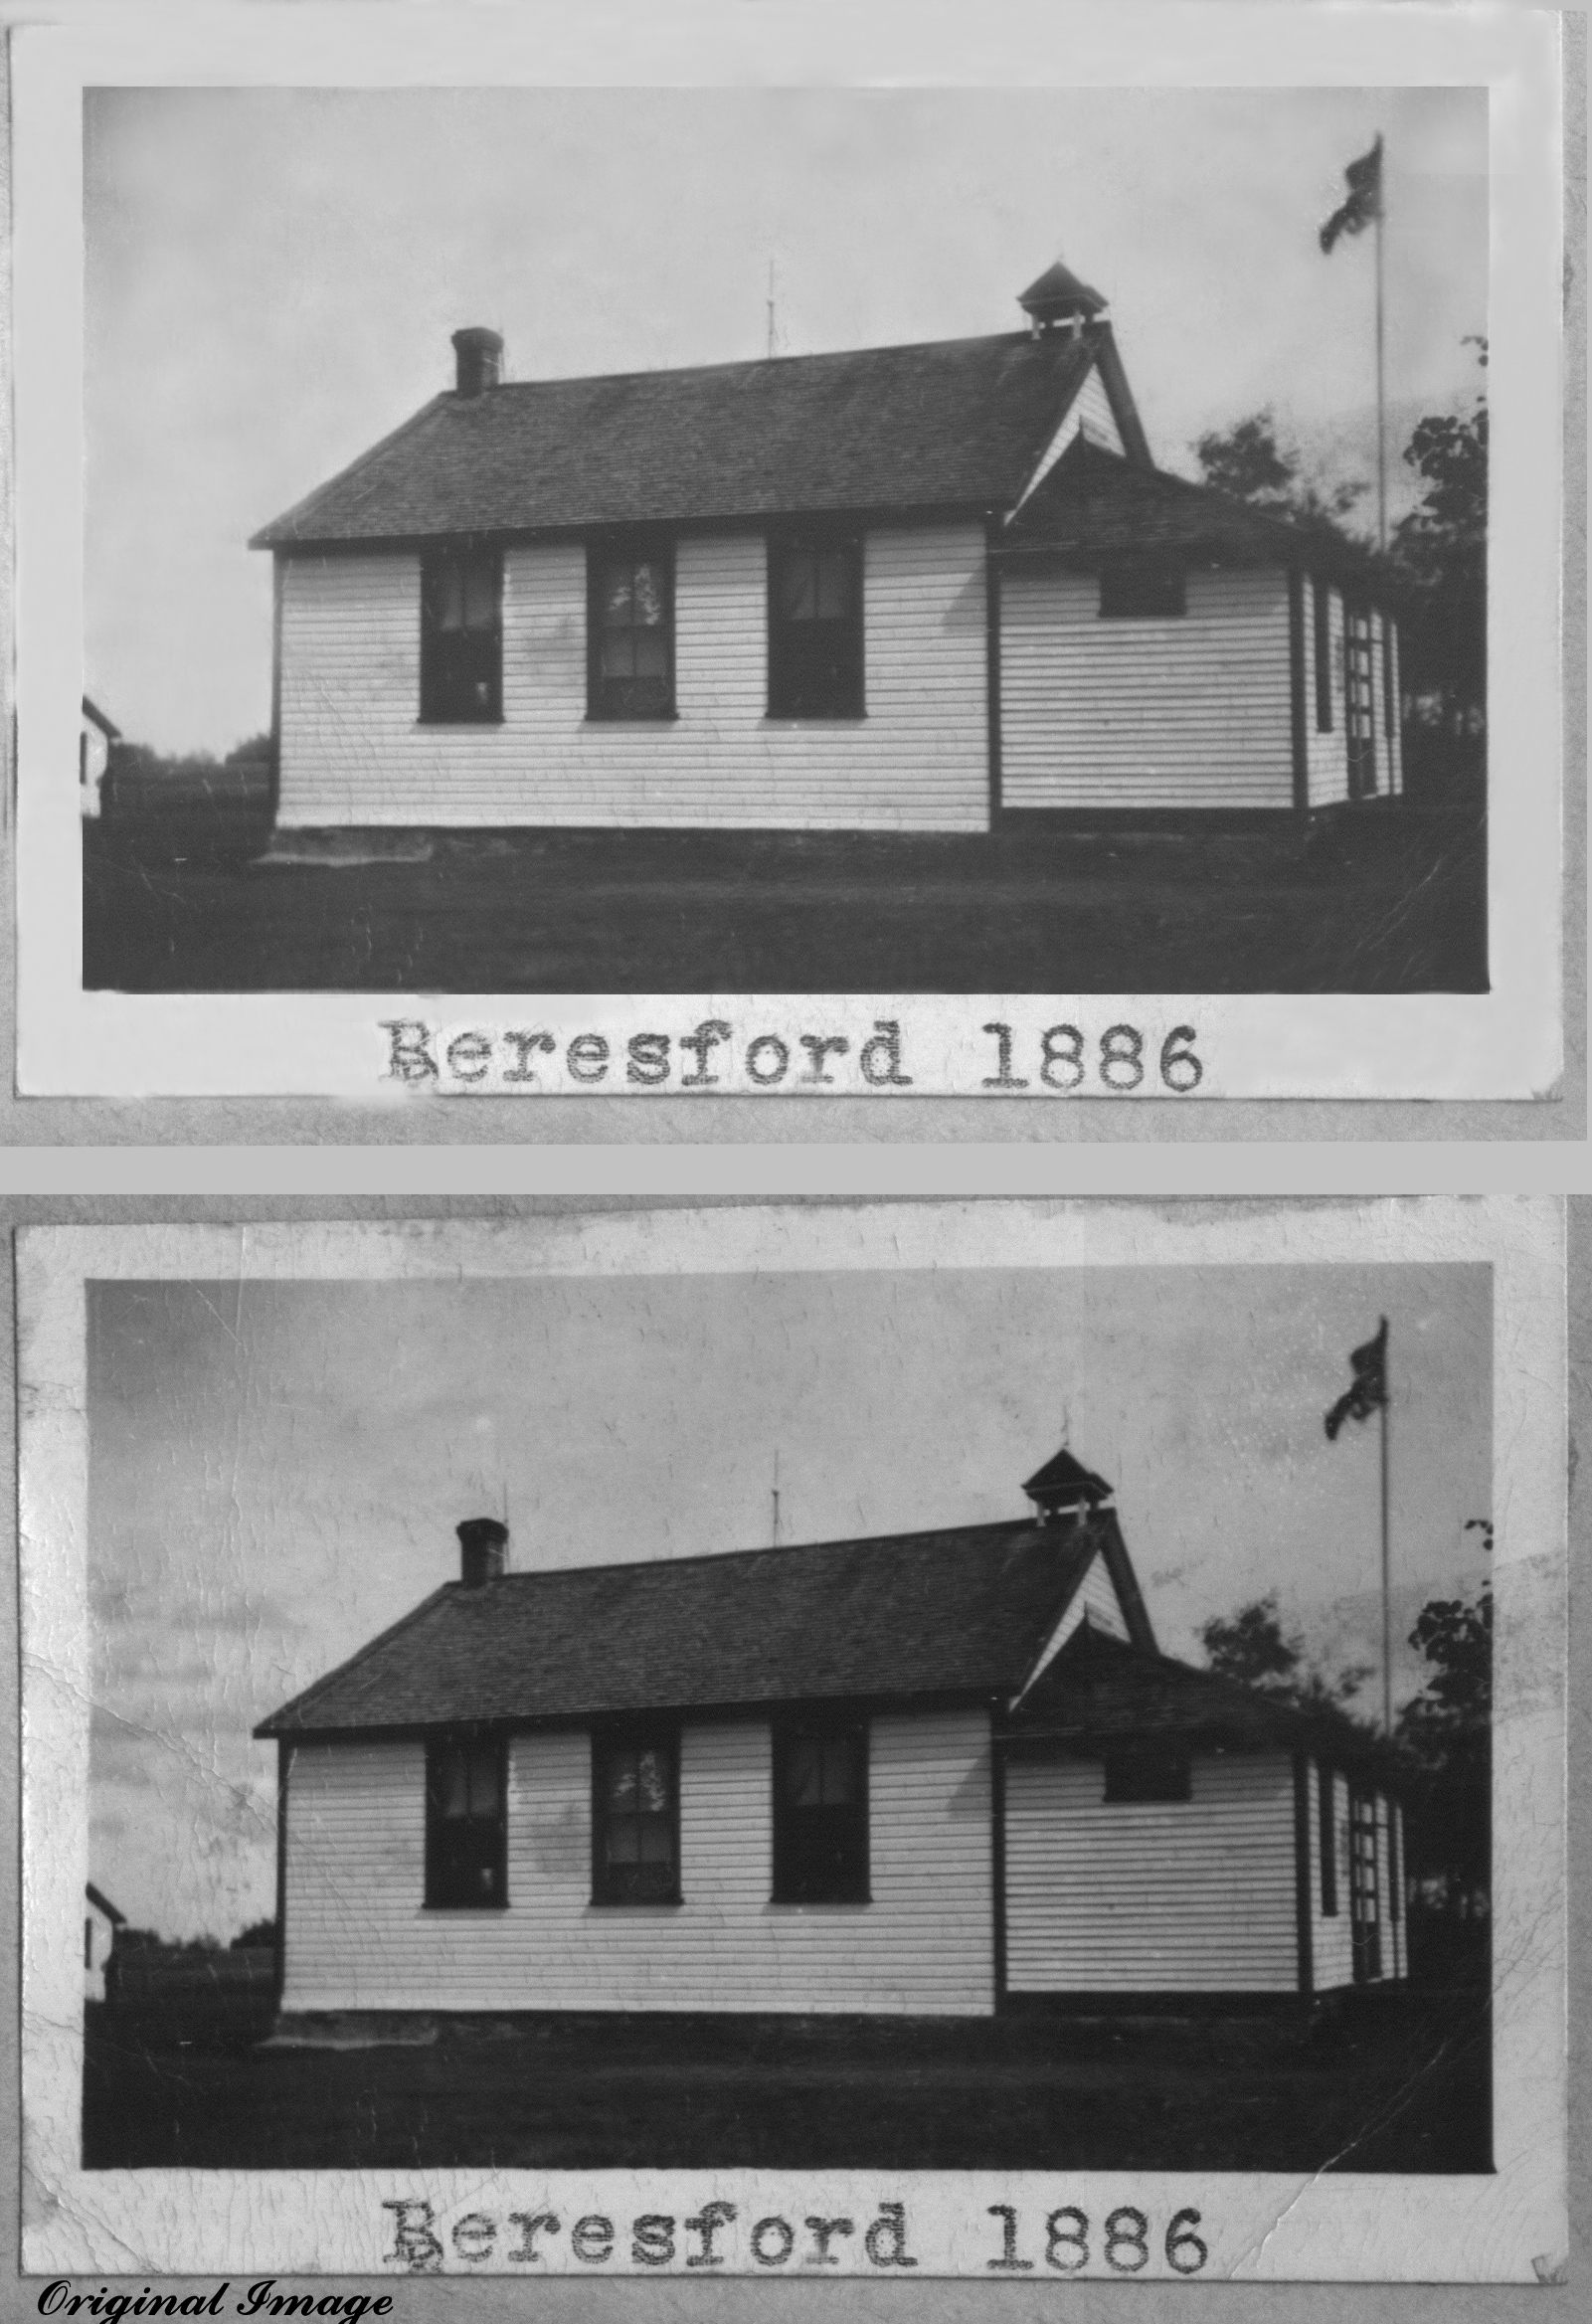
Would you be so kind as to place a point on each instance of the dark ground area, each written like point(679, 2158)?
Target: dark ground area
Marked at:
point(1392, 902)
point(1393, 2081)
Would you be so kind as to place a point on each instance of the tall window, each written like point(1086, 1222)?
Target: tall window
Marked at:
point(629, 633)
point(820, 1815)
point(1327, 1807)
point(1136, 587)
point(636, 1824)
point(466, 1824)
point(815, 662)
point(1322, 605)
point(461, 636)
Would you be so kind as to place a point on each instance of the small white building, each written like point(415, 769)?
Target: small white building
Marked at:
point(942, 1773)
point(96, 734)
point(936, 588)
point(100, 1922)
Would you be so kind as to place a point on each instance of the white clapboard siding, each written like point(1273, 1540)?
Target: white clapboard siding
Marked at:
point(1096, 1601)
point(353, 749)
point(1196, 1896)
point(357, 1936)
point(1089, 415)
point(1192, 711)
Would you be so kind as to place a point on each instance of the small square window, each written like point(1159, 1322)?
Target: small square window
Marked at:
point(466, 1823)
point(820, 1815)
point(1147, 1773)
point(630, 632)
point(1140, 588)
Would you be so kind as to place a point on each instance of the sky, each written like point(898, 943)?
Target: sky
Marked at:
point(271, 278)
point(277, 1469)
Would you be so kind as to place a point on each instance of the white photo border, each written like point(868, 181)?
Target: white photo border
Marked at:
point(1509, 2226)
point(1505, 1044)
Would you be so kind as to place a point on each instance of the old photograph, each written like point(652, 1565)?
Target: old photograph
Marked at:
point(744, 1696)
point(928, 569)
point(955, 542)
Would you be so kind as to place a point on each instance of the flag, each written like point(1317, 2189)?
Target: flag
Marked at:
point(1367, 1391)
point(1363, 179)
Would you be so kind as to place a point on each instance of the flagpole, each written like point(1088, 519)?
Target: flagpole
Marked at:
point(1381, 392)
point(1387, 1595)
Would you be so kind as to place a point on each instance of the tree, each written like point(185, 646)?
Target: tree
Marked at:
point(1247, 463)
point(1250, 1647)
point(1446, 1732)
point(260, 1935)
point(1441, 550)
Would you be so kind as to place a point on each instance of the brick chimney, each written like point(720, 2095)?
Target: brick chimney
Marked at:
point(483, 1550)
point(479, 358)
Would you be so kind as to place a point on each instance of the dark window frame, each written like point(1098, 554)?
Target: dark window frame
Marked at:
point(603, 702)
point(1327, 1809)
point(796, 1837)
point(1148, 1774)
point(1144, 586)
point(607, 1881)
point(1322, 611)
point(1389, 700)
point(797, 688)
point(449, 657)
point(490, 1848)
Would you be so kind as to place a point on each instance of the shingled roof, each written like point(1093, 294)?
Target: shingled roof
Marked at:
point(957, 422)
point(1098, 1691)
point(962, 1612)
point(1095, 505)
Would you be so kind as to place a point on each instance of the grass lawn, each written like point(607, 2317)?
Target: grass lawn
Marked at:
point(1394, 2082)
point(1393, 904)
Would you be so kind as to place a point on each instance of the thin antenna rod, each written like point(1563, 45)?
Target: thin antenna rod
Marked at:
point(775, 1542)
point(1381, 382)
point(770, 307)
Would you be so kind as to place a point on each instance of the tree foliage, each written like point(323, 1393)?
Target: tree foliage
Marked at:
point(1249, 464)
point(1252, 1648)
point(1440, 548)
point(1446, 1732)
point(260, 1935)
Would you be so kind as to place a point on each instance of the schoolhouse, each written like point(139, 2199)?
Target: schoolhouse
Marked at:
point(936, 1773)
point(100, 1922)
point(936, 588)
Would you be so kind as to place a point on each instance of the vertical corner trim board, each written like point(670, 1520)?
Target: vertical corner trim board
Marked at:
point(1303, 1898)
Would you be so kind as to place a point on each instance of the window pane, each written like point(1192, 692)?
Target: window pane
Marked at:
point(840, 1773)
point(622, 1780)
point(649, 598)
point(834, 595)
point(617, 653)
point(617, 597)
point(651, 654)
point(656, 1839)
point(455, 1785)
point(804, 1775)
point(483, 1782)
point(623, 1845)
point(450, 598)
point(480, 593)
point(797, 588)
point(655, 1782)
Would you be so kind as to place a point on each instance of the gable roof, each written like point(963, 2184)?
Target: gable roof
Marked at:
point(111, 732)
point(955, 422)
point(1095, 503)
point(1098, 1691)
point(104, 1905)
point(959, 1612)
